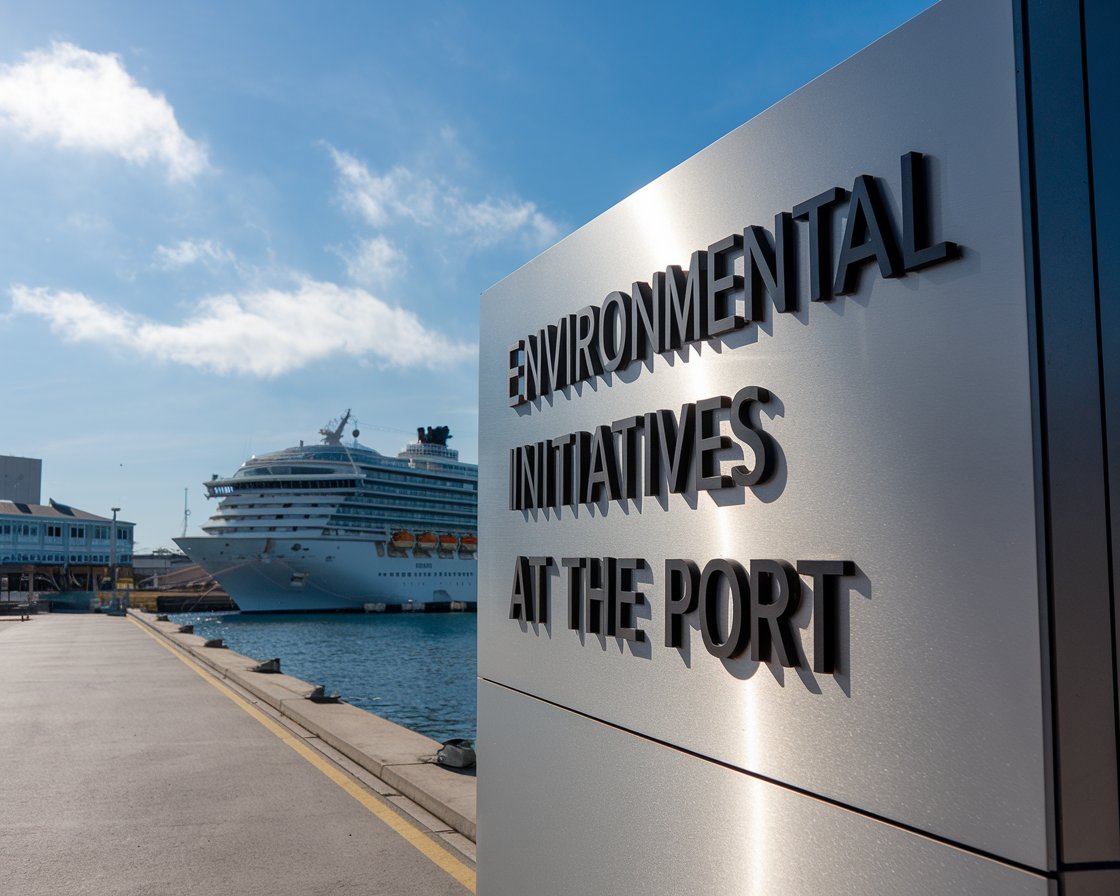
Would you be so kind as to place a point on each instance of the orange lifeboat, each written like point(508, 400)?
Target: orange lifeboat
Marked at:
point(448, 543)
point(403, 540)
point(427, 541)
point(468, 544)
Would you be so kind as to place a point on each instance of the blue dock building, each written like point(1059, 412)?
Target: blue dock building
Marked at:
point(53, 547)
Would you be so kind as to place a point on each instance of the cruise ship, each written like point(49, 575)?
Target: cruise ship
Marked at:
point(336, 526)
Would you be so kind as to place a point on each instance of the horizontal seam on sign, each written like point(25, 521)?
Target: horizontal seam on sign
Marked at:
point(413, 835)
point(871, 816)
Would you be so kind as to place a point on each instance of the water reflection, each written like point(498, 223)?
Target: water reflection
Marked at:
point(415, 669)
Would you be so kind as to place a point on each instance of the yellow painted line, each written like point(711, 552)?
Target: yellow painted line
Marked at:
point(416, 837)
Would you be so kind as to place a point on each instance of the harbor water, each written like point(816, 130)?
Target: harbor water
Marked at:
point(415, 669)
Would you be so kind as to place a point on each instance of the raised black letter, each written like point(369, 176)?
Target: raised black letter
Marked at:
point(576, 566)
point(916, 251)
point(682, 589)
point(645, 338)
point(825, 624)
point(668, 445)
point(604, 468)
point(709, 443)
point(867, 235)
point(758, 441)
point(554, 348)
point(722, 282)
point(516, 372)
point(685, 302)
point(768, 577)
point(626, 598)
point(588, 362)
point(521, 599)
point(774, 270)
point(628, 453)
point(738, 590)
point(820, 240)
point(599, 596)
point(614, 331)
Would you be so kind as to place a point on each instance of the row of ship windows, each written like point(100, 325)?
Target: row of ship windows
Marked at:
point(124, 559)
point(356, 507)
point(253, 529)
point(377, 472)
point(419, 521)
point(285, 471)
point(414, 479)
point(248, 517)
point(370, 495)
point(32, 530)
point(382, 494)
point(430, 521)
point(366, 532)
point(263, 528)
point(443, 511)
point(421, 575)
point(352, 530)
point(335, 484)
point(284, 485)
point(421, 479)
point(452, 468)
point(412, 513)
point(380, 464)
point(418, 503)
point(231, 505)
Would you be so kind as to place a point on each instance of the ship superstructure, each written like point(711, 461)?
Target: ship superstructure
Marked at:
point(336, 526)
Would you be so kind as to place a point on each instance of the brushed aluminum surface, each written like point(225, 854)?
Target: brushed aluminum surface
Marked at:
point(903, 416)
point(644, 818)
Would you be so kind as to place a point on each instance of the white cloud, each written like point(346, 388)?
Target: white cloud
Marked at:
point(375, 261)
point(490, 220)
point(188, 252)
point(264, 333)
point(432, 203)
point(79, 99)
point(74, 316)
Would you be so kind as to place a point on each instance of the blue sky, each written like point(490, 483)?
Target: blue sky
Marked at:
point(221, 225)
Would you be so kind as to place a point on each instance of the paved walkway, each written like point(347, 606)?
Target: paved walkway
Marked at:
point(122, 771)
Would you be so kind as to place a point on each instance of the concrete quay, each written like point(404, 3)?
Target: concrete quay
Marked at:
point(403, 759)
point(135, 760)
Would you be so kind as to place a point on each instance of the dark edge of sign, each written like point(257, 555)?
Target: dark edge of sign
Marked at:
point(1075, 575)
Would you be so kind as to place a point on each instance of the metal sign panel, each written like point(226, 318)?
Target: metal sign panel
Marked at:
point(579, 807)
point(786, 523)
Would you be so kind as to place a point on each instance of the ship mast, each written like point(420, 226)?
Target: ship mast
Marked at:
point(334, 436)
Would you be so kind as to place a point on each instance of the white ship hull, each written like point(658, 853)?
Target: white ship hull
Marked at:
point(277, 575)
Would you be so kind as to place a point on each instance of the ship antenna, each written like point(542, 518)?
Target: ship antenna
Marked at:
point(343, 446)
point(186, 512)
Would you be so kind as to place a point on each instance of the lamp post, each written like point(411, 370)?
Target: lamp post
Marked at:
point(113, 552)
